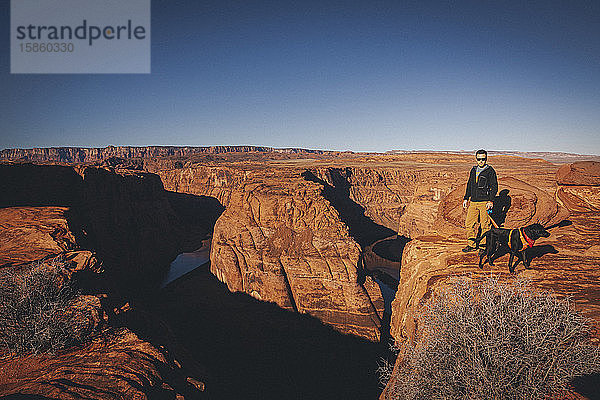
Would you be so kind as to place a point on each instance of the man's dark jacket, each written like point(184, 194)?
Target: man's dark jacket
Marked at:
point(486, 186)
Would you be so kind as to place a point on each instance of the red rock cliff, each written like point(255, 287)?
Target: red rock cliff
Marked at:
point(280, 240)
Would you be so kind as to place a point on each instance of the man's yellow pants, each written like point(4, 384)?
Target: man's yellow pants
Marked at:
point(477, 214)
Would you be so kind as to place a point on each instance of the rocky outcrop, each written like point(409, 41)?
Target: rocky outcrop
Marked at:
point(117, 231)
point(579, 187)
point(564, 263)
point(579, 191)
point(281, 241)
point(431, 261)
point(118, 215)
point(584, 173)
point(32, 233)
point(124, 367)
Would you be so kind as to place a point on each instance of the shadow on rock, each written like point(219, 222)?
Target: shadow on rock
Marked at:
point(392, 248)
point(539, 251)
point(38, 185)
point(588, 385)
point(256, 350)
point(362, 228)
point(502, 203)
point(530, 254)
point(561, 224)
point(196, 212)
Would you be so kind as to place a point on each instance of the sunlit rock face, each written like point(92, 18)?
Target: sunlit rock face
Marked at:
point(282, 241)
point(295, 236)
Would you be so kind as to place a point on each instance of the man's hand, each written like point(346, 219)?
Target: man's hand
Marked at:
point(489, 205)
point(465, 202)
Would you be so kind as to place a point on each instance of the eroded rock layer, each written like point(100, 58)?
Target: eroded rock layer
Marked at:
point(285, 243)
point(124, 367)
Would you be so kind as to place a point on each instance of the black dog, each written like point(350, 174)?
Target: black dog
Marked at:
point(517, 241)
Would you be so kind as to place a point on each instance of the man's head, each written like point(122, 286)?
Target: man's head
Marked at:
point(481, 157)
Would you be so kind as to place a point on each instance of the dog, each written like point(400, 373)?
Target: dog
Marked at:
point(517, 241)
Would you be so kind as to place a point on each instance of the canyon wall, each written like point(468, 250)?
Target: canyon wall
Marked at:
point(124, 217)
point(299, 233)
point(285, 243)
point(280, 240)
point(300, 236)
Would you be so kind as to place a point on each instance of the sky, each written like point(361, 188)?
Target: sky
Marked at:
point(333, 75)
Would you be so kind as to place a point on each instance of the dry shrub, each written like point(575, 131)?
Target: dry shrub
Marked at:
point(493, 340)
point(38, 311)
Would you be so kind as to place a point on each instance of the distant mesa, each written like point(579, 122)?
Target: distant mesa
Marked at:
point(95, 155)
point(114, 155)
point(585, 173)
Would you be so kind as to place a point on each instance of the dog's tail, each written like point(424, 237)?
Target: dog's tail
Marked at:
point(561, 224)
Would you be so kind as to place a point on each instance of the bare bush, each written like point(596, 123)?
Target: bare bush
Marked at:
point(493, 340)
point(37, 310)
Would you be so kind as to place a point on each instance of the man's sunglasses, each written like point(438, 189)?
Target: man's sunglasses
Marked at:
point(481, 159)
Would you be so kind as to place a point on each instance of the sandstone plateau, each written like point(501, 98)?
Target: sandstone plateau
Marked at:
point(307, 231)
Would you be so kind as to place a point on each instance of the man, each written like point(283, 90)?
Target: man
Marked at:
point(481, 190)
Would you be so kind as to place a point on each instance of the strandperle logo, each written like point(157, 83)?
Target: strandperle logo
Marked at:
point(80, 36)
point(81, 32)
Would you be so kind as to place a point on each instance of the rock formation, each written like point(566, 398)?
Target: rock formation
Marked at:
point(285, 243)
point(123, 367)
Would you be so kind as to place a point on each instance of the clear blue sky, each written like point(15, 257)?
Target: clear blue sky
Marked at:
point(361, 76)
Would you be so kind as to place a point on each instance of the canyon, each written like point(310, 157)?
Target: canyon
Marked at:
point(303, 240)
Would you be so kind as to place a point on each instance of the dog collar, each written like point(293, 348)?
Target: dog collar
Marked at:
point(525, 239)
